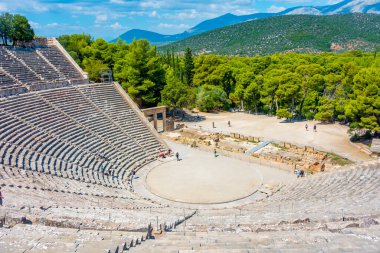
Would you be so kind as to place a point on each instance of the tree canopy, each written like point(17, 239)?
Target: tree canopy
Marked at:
point(15, 28)
point(328, 87)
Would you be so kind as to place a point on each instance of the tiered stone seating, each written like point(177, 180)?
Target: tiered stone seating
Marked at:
point(110, 101)
point(23, 69)
point(36, 63)
point(52, 54)
point(64, 133)
point(349, 240)
point(34, 139)
point(352, 192)
point(85, 112)
point(44, 239)
point(14, 67)
point(7, 82)
point(330, 212)
point(58, 202)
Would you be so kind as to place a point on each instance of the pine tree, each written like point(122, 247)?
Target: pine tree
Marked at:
point(189, 67)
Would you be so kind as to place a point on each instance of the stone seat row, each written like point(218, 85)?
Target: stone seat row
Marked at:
point(328, 196)
point(44, 134)
point(34, 68)
point(32, 59)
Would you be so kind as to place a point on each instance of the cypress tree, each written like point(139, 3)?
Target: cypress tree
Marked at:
point(189, 67)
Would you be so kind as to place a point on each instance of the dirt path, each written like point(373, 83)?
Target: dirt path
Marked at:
point(328, 137)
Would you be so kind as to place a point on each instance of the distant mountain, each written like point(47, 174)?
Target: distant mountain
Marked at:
point(344, 7)
point(288, 33)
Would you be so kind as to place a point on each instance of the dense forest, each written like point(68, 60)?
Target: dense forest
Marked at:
point(328, 87)
point(289, 33)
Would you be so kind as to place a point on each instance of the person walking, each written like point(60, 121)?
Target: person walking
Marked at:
point(215, 155)
point(177, 156)
point(1, 198)
point(306, 126)
point(229, 123)
point(315, 128)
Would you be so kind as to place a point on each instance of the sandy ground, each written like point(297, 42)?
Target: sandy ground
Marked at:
point(328, 137)
point(202, 178)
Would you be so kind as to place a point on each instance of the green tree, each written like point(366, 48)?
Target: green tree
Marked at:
point(272, 80)
point(94, 68)
point(189, 67)
point(310, 78)
point(22, 31)
point(6, 27)
point(211, 98)
point(363, 110)
point(284, 113)
point(175, 94)
point(252, 96)
point(140, 73)
point(77, 46)
point(326, 110)
point(288, 91)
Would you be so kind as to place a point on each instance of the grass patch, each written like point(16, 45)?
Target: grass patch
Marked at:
point(336, 159)
point(280, 147)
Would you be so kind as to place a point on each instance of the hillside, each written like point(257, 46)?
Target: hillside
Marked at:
point(343, 7)
point(301, 33)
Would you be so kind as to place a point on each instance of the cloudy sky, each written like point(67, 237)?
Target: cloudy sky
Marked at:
point(109, 18)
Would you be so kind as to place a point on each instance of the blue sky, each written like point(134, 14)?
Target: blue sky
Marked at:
point(109, 18)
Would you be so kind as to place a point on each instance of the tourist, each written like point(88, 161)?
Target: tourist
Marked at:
point(302, 173)
point(1, 198)
point(229, 123)
point(177, 156)
point(306, 126)
point(215, 155)
point(315, 128)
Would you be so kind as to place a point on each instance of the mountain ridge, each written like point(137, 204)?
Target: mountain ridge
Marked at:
point(288, 33)
point(344, 7)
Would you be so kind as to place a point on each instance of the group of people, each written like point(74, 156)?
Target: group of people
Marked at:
point(314, 128)
point(228, 123)
point(299, 173)
point(169, 154)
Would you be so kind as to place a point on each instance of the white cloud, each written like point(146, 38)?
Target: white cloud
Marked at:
point(116, 26)
point(296, 1)
point(190, 14)
point(30, 5)
point(244, 11)
point(117, 2)
point(151, 4)
point(153, 14)
point(54, 24)
point(174, 26)
point(3, 7)
point(101, 18)
point(275, 9)
point(333, 1)
point(34, 25)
